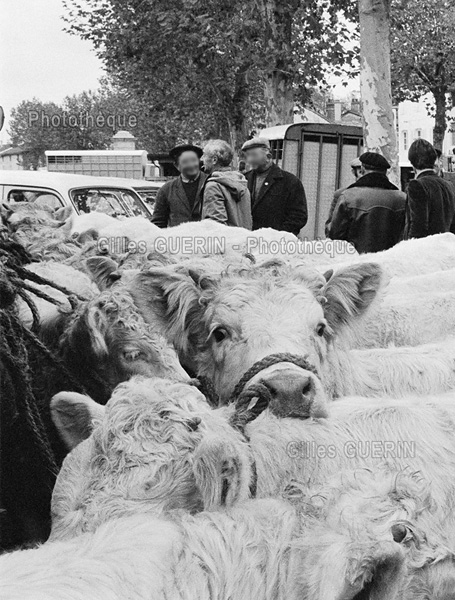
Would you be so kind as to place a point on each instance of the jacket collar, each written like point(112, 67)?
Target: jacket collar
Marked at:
point(427, 173)
point(182, 197)
point(273, 175)
point(374, 180)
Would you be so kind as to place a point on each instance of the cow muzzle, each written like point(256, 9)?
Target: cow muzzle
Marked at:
point(286, 383)
point(294, 392)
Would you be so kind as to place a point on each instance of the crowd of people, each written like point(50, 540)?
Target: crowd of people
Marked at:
point(371, 213)
point(266, 196)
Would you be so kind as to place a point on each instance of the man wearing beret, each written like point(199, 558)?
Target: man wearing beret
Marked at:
point(277, 197)
point(179, 200)
point(370, 212)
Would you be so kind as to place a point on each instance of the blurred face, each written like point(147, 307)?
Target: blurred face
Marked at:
point(188, 164)
point(257, 157)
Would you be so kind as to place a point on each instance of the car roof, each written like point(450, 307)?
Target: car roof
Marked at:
point(142, 183)
point(61, 181)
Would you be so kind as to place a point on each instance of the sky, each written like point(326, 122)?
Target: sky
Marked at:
point(38, 59)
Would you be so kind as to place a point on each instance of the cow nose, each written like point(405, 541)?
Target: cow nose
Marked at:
point(293, 393)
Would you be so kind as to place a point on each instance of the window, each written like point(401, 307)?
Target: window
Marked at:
point(46, 200)
point(418, 134)
point(112, 201)
point(405, 140)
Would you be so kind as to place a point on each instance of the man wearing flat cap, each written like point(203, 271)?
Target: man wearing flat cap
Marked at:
point(370, 212)
point(277, 197)
point(179, 200)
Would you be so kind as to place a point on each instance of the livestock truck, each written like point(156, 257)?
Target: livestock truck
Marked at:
point(320, 155)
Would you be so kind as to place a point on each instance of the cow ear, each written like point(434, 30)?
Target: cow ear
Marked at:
point(89, 235)
point(349, 292)
point(223, 472)
point(73, 415)
point(175, 298)
point(360, 569)
point(103, 271)
point(86, 335)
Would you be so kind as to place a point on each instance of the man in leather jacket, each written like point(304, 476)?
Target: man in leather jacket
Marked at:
point(370, 212)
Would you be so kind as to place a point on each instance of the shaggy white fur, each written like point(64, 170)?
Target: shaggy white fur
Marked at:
point(261, 549)
point(140, 456)
point(412, 257)
point(62, 275)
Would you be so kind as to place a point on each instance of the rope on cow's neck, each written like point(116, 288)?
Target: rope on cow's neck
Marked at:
point(268, 361)
point(239, 393)
point(252, 401)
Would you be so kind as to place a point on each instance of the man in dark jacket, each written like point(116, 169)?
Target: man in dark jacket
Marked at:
point(356, 167)
point(370, 212)
point(179, 200)
point(277, 197)
point(430, 202)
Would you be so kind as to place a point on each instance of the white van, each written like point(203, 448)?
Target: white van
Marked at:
point(83, 193)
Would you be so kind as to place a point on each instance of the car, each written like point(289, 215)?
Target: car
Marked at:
point(83, 193)
point(147, 189)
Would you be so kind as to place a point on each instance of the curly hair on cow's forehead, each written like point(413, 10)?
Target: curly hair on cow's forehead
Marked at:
point(144, 412)
point(274, 271)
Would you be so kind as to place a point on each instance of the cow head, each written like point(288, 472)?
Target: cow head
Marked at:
point(229, 322)
point(140, 456)
point(107, 341)
point(380, 534)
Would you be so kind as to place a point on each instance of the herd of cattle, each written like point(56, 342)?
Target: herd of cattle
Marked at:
point(267, 425)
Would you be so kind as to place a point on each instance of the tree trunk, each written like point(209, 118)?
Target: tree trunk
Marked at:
point(279, 99)
point(237, 118)
point(375, 82)
point(278, 88)
point(440, 124)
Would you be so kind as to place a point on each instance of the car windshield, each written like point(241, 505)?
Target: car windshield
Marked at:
point(116, 202)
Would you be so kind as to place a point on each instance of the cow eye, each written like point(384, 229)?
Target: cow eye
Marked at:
point(219, 334)
point(193, 424)
point(320, 330)
point(131, 355)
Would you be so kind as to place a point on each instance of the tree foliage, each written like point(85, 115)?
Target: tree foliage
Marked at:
point(85, 121)
point(423, 54)
point(203, 66)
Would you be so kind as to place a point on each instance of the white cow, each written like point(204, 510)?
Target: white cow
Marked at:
point(261, 549)
point(231, 322)
point(160, 444)
point(405, 319)
point(375, 467)
point(412, 257)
